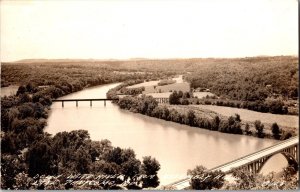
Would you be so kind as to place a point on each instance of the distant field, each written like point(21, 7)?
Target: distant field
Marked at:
point(184, 87)
point(286, 122)
point(202, 94)
point(159, 95)
point(205, 113)
point(247, 115)
point(152, 87)
point(145, 84)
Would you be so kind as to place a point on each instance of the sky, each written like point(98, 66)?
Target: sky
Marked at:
point(115, 29)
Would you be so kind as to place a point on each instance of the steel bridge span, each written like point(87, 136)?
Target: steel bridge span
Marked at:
point(254, 162)
point(78, 100)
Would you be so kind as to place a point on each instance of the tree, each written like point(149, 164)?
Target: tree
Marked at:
point(286, 135)
point(105, 167)
point(191, 117)
point(245, 179)
point(276, 106)
point(180, 94)
point(202, 179)
point(8, 143)
point(276, 131)
point(259, 128)
point(25, 111)
point(237, 117)
point(130, 169)
point(184, 102)
point(174, 98)
point(21, 90)
point(31, 88)
point(82, 160)
point(150, 167)
point(115, 156)
point(247, 129)
point(215, 123)
point(40, 159)
point(25, 98)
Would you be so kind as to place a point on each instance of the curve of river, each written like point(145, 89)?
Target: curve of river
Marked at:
point(177, 147)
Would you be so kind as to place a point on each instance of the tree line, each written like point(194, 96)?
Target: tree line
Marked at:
point(274, 106)
point(147, 105)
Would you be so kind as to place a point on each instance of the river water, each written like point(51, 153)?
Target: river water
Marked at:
point(177, 147)
point(10, 90)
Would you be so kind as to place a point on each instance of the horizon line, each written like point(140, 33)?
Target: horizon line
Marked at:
point(142, 58)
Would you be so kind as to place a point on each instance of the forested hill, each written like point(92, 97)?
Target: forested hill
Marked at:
point(167, 64)
point(181, 65)
point(250, 78)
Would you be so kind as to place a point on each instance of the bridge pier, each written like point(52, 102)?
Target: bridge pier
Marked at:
point(62, 103)
point(76, 103)
point(91, 103)
point(104, 103)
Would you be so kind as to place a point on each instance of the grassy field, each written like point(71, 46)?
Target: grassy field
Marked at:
point(153, 88)
point(286, 122)
point(247, 115)
point(184, 87)
point(145, 84)
point(202, 94)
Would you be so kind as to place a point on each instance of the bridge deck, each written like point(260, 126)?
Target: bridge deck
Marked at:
point(257, 155)
point(60, 100)
point(184, 183)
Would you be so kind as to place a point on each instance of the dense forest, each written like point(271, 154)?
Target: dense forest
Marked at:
point(245, 79)
point(259, 81)
point(79, 75)
point(30, 156)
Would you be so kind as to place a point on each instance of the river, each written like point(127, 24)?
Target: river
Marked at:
point(10, 90)
point(177, 147)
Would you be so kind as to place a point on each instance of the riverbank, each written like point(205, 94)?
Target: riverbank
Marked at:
point(288, 123)
point(187, 115)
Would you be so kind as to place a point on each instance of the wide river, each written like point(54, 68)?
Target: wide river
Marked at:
point(177, 147)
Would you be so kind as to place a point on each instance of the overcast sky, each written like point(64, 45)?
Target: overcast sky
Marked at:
point(148, 29)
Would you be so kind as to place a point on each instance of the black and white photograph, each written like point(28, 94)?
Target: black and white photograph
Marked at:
point(149, 94)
